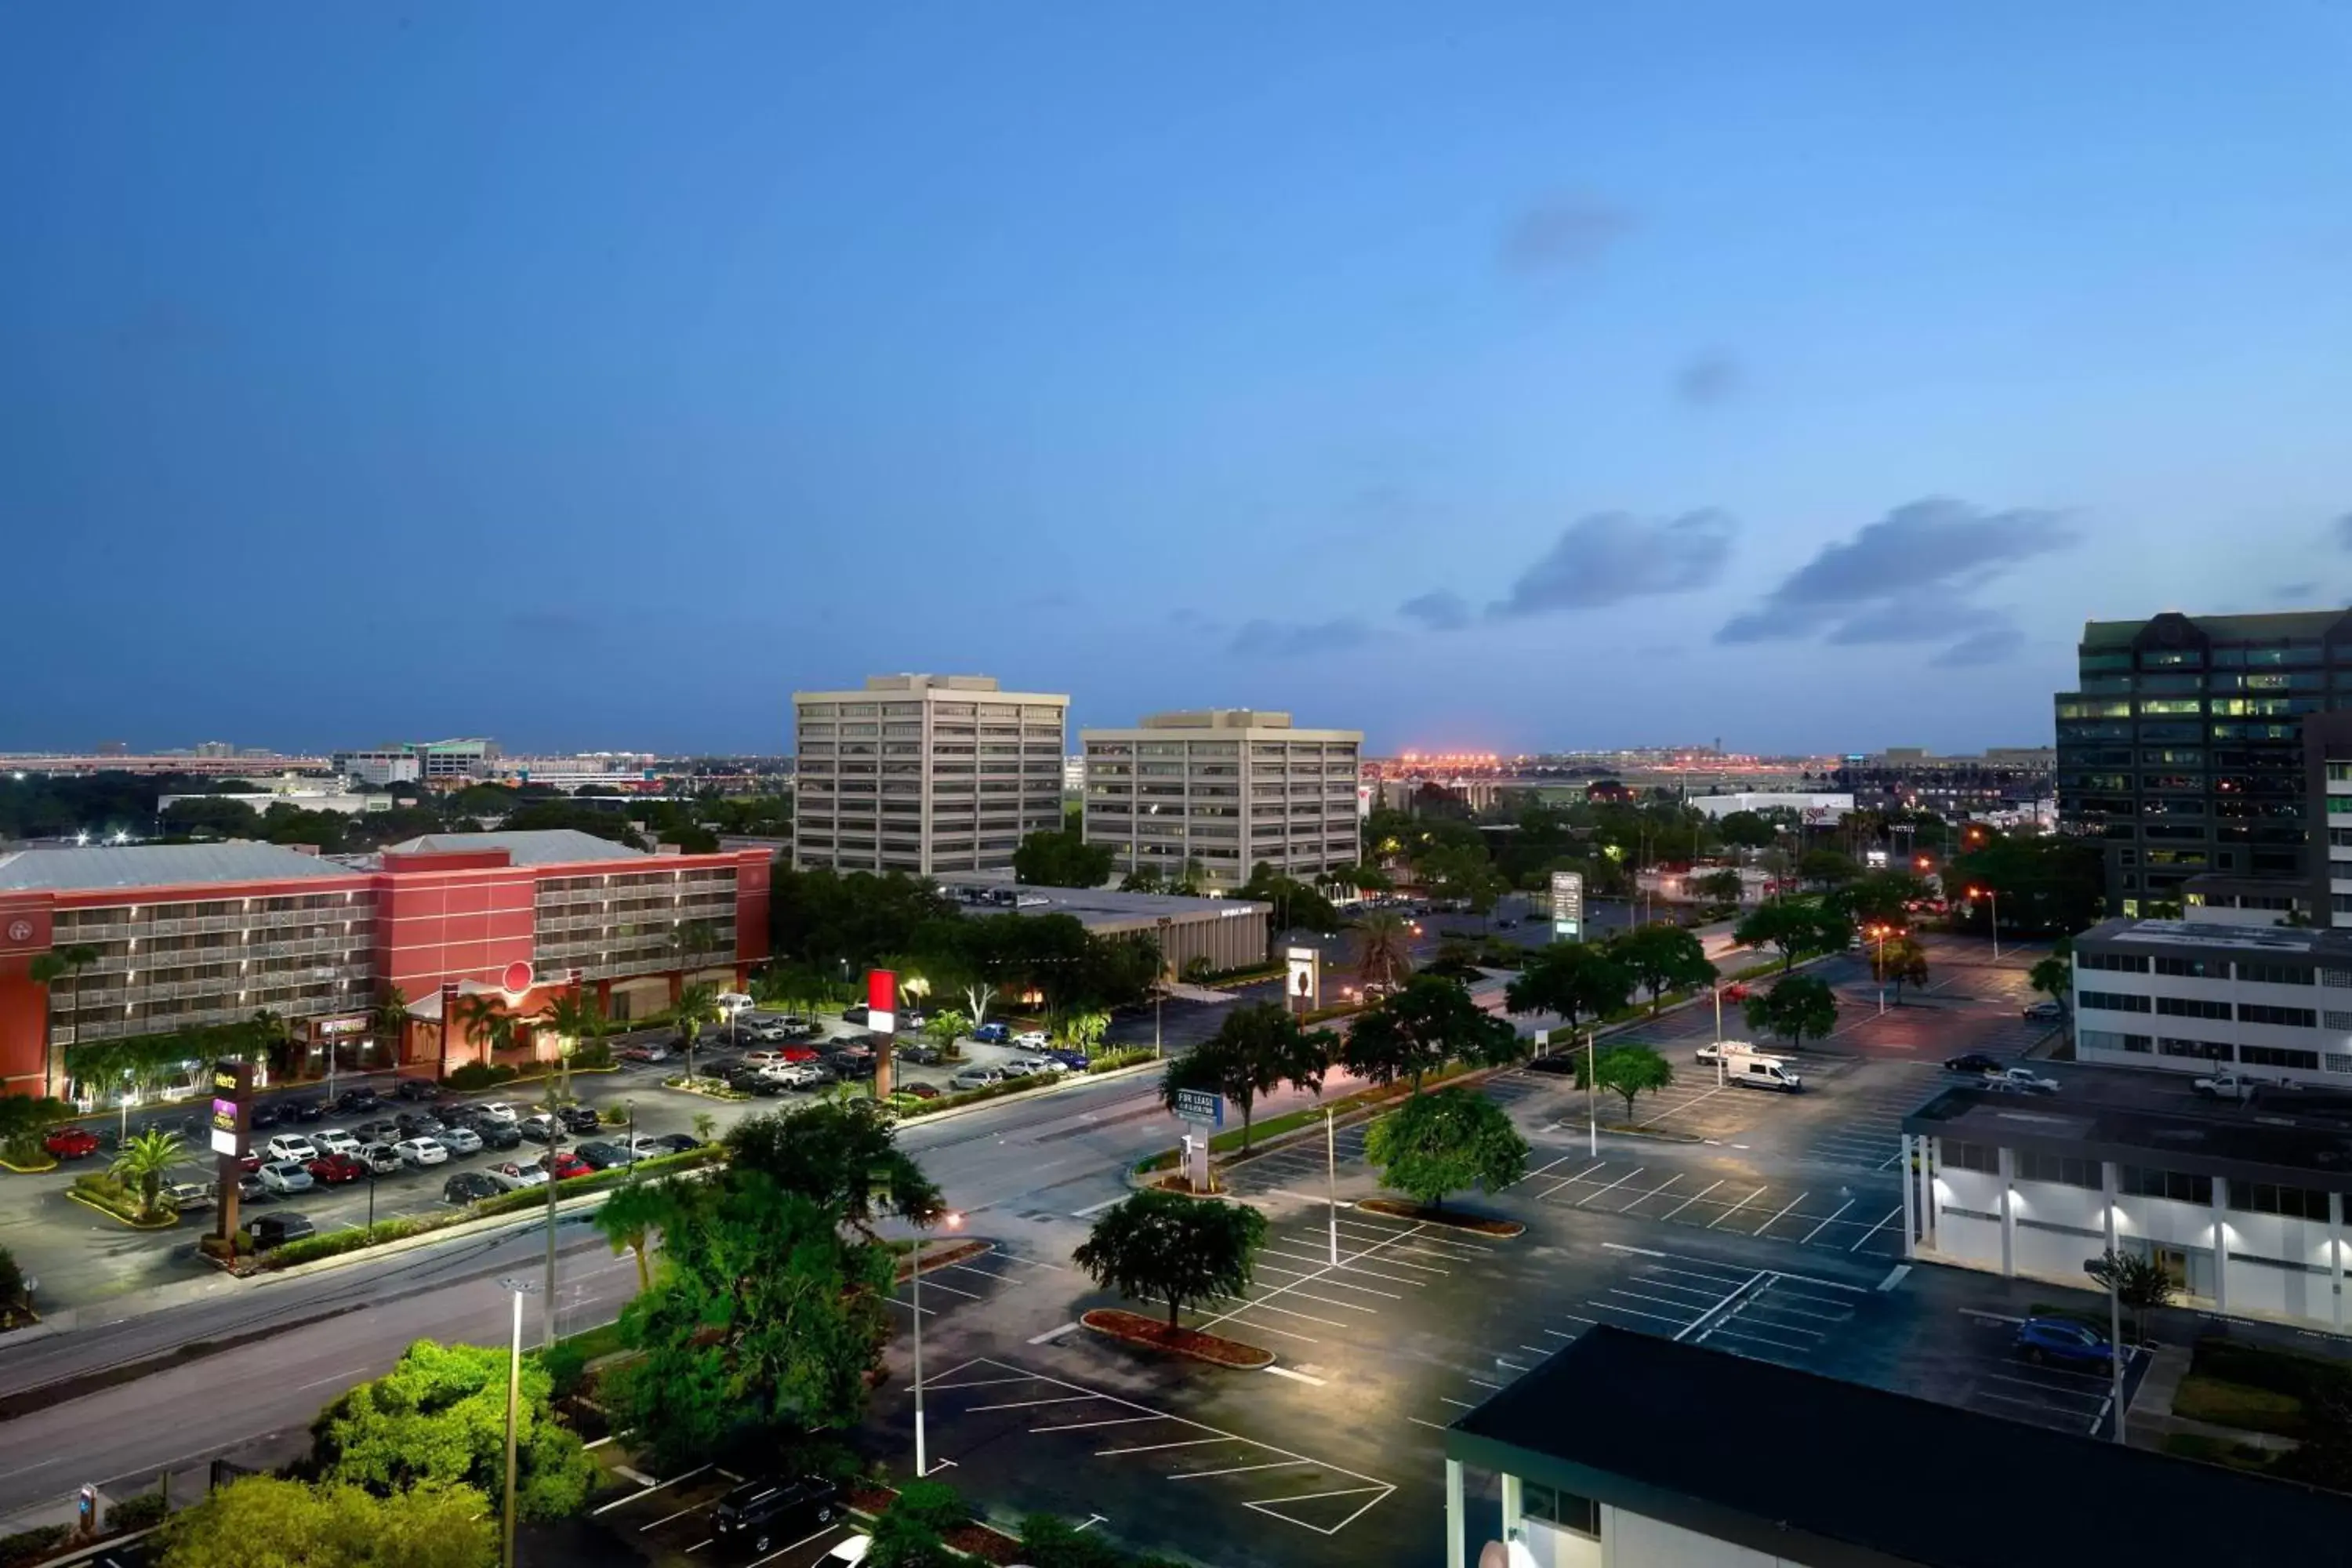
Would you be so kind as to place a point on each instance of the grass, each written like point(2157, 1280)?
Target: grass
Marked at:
point(2217, 1451)
point(2204, 1398)
point(602, 1341)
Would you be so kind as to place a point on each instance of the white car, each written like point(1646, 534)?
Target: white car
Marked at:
point(977, 1077)
point(335, 1141)
point(421, 1151)
point(285, 1176)
point(499, 1110)
point(734, 1002)
point(1031, 1039)
point(461, 1140)
point(2022, 1081)
point(763, 1059)
point(794, 1075)
point(293, 1146)
point(515, 1175)
point(1021, 1067)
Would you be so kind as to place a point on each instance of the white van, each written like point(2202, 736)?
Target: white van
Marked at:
point(1762, 1072)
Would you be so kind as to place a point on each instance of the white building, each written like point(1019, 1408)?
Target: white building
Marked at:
point(924, 773)
point(630, 771)
point(430, 762)
point(2189, 995)
point(1231, 788)
point(1813, 806)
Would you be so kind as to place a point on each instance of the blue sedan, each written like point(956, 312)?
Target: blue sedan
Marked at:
point(2060, 1341)
point(993, 1034)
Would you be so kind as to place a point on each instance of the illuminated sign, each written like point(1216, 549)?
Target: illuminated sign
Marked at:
point(1568, 905)
point(232, 1083)
point(1303, 989)
point(882, 1001)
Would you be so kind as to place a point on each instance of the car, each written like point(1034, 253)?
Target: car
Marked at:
point(498, 1134)
point(269, 1113)
point(386, 1130)
point(336, 1170)
point(916, 1091)
point(1021, 1067)
point(856, 1015)
point(2062, 1342)
point(912, 1023)
point(1737, 991)
point(567, 1164)
point(539, 1129)
point(769, 1029)
point(645, 1051)
point(293, 1146)
point(673, 1143)
point(578, 1117)
point(793, 1075)
point(71, 1143)
point(249, 1163)
point(188, 1197)
point(381, 1158)
point(2022, 1081)
point(648, 1146)
point(270, 1230)
point(752, 1080)
point(419, 1124)
point(763, 1514)
point(847, 1064)
point(1075, 1061)
point(468, 1185)
point(307, 1109)
point(249, 1188)
point(978, 1077)
point(993, 1034)
point(2045, 1012)
point(415, 1088)
point(461, 1140)
point(1974, 1062)
point(799, 1053)
point(732, 1002)
point(513, 1176)
point(284, 1177)
point(360, 1099)
point(763, 1058)
point(923, 1056)
point(421, 1151)
point(1030, 1040)
point(498, 1110)
point(334, 1140)
point(599, 1155)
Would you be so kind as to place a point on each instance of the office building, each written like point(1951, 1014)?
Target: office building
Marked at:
point(1218, 934)
point(1229, 788)
point(924, 773)
point(189, 936)
point(2189, 995)
point(2242, 1206)
point(448, 763)
point(1629, 1450)
point(2181, 746)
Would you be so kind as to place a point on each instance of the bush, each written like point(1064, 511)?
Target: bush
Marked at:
point(974, 1096)
point(479, 1075)
point(1124, 1057)
point(137, 1512)
point(597, 1054)
point(566, 1362)
point(1048, 1541)
point(312, 1248)
point(32, 1545)
point(901, 1541)
point(935, 1505)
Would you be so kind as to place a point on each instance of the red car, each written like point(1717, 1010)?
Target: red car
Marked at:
point(249, 1163)
point(1735, 992)
point(797, 1052)
point(334, 1170)
point(71, 1143)
point(568, 1164)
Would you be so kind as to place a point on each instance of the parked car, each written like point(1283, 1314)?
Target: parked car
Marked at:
point(793, 1075)
point(2062, 1341)
point(993, 1034)
point(646, 1051)
point(798, 1053)
point(1022, 1067)
point(2226, 1085)
point(673, 1143)
point(415, 1088)
point(578, 1117)
point(269, 1230)
point(599, 1155)
point(381, 1158)
point(567, 1164)
point(754, 1080)
point(334, 1140)
point(284, 1177)
point(1030, 1040)
point(336, 1170)
point(763, 1058)
point(856, 1015)
point(977, 1077)
point(1976, 1062)
point(734, 1002)
point(468, 1185)
point(356, 1100)
point(293, 1146)
point(539, 1129)
point(461, 1140)
point(498, 1110)
point(1737, 991)
point(912, 1021)
point(249, 1188)
point(71, 1143)
point(1075, 1061)
point(2044, 1011)
point(855, 1062)
point(498, 1134)
point(512, 1176)
point(2022, 1080)
point(923, 1056)
point(189, 1197)
point(383, 1131)
point(269, 1113)
point(647, 1145)
point(916, 1091)
point(758, 1515)
point(419, 1124)
point(421, 1151)
point(307, 1109)
point(249, 1163)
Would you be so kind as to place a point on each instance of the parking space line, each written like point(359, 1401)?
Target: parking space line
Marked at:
point(1306, 1316)
point(1636, 1313)
point(954, 1290)
point(1270, 1329)
point(1541, 1170)
point(1792, 1203)
point(934, 1383)
point(1661, 1300)
point(1025, 1404)
point(1724, 1333)
point(1155, 1448)
point(1336, 1284)
point(1691, 1199)
point(796, 1546)
point(1734, 1208)
point(1893, 1214)
point(1613, 1185)
point(1571, 1180)
point(1653, 1192)
point(1809, 1235)
point(1081, 1426)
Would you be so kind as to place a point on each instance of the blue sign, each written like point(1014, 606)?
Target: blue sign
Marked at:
point(1200, 1108)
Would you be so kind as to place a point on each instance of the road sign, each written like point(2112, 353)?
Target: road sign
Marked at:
point(1201, 1107)
point(1568, 905)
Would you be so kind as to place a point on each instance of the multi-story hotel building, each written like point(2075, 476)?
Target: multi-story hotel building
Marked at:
point(184, 936)
point(1230, 788)
point(924, 774)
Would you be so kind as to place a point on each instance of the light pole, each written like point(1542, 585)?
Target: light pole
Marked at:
point(1331, 1182)
point(519, 1289)
point(2116, 1346)
point(1591, 1103)
point(554, 1142)
point(1878, 964)
point(1160, 992)
point(953, 1220)
point(1992, 895)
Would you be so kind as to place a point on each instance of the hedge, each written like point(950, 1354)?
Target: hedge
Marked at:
point(137, 1512)
point(1111, 1061)
point(481, 1075)
point(32, 1545)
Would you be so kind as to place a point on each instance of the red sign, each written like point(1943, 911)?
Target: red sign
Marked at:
point(518, 977)
point(882, 990)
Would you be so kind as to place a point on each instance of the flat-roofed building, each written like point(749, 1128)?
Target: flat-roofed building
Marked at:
point(924, 774)
point(2192, 995)
point(1228, 788)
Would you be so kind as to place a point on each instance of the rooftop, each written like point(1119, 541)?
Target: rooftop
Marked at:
point(2301, 624)
point(1106, 909)
point(2307, 941)
point(1884, 1477)
point(88, 868)
point(543, 846)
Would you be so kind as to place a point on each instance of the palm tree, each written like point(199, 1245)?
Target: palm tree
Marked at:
point(478, 1017)
point(629, 1217)
point(696, 1005)
point(575, 1019)
point(691, 942)
point(270, 1038)
point(143, 1160)
point(46, 970)
point(390, 1017)
point(1383, 948)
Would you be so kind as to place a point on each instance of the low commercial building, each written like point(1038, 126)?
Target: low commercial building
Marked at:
point(1625, 1450)
point(178, 937)
point(344, 801)
point(1230, 789)
point(446, 763)
point(2243, 1205)
point(1815, 805)
point(2189, 995)
point(1220, 933)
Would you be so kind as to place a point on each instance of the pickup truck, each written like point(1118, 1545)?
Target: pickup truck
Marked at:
point(2021, 1080)
point(2226, 1085)
point(1726, 1050)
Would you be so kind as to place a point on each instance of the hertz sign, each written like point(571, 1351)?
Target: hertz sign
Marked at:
point(232, 1087)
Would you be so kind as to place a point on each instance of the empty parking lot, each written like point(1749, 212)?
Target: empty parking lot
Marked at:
point(1861, 1217)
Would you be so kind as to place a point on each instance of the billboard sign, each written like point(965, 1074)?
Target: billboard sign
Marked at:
point(1201, 1107)
point(882, 1001)
point(1303, 985)
point(232, 1082)
point(1567, 906)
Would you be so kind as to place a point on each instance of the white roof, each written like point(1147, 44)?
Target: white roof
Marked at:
point(91, 867)
point(543, 847)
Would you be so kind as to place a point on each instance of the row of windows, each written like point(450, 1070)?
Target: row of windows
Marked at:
point(2201, 968)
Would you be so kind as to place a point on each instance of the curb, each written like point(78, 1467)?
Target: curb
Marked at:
point(1062, 1085)
point(126, 1223)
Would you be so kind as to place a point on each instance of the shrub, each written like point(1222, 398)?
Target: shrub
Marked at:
point(595, 1054)
point(136, 1512)
point(1124, 1057)
point(935, 1505)
point(567, 1367)
point(32, 1545)
point(478, 1076)
point(901, 1541)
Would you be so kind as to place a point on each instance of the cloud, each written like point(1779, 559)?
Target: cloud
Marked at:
point(1299, 639)
point(1439, 610)
point(1708, 380)
point(1562, 232)
point(1909, 577)
point(1611, 556)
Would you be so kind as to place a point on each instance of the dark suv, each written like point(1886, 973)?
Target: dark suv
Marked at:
point(760, 1514)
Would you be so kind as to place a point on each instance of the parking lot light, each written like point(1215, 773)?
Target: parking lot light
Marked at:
point(953, 1220)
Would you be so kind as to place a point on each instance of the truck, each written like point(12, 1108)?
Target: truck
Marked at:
point(2230, 1084)
point(1727, 1050)
point(2021, 1080)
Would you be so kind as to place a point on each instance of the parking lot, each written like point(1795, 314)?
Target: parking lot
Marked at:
point(1985, 1373)
point(1300, 1297)
point(1862, 1217)
point(949, 1287)
point(668, 1523)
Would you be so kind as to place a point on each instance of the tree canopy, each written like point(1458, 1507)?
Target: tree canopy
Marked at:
point(1663, 958)
point(2052, 886)
point(262, 1521)
point(1419, 1029)
point(1574, 980)
point(1797, 1007)
point(1628, 1070)
point(1256, 1049)
point(1157, 1246)
point(840, 1155)
point(1796, 928)
point(1445, 1141)
point(1061, 859)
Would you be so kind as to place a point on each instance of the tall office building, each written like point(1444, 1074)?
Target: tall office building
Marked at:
point(2182, 748)
point(1229, 788)
point(926, 774)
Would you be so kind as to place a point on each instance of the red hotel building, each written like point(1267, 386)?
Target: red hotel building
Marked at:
point(193, 934)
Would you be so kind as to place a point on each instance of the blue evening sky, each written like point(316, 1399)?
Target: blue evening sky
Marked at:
point(1485, 377)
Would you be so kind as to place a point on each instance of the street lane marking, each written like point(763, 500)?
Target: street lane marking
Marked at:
point(1096, 1208)
point(1894, 1277)
point(1052, 1334)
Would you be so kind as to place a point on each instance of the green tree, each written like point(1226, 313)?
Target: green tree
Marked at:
point(1797, 1007)
point(2054, 975)
point(1062, 859)
point(24, 1121)
point(143, 1161)
point(764, 1321)
point(271, 1038)
point(1720, 887)
point(573, 1017)
point(1797, 928)
point(1255, 1050)
point(1383, 948)
point(1143, 879)
point(262, 1521)
point(843, 1157)
point(947, 1027)
point(480, 1022)
point(1167, 1247)
point(1574, 980)
point(1443, 1141)
point(388, 1018)
point(628, 1219)
point(439, 1418)
point(1663, 958)
point(1828, 868)
point(1744, 830)
point(1083, 1029)
point(46, 970)
point(1422, 1027)
point(2140, 1283)
point(1900, 959)
point(1881, 898)
point(697, 1005)
point(1628, 1070)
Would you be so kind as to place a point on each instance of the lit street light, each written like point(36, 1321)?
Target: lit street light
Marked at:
point(519, 1289)
point(953, 1220)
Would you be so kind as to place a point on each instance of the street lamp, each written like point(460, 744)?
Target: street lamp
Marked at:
point(1992, 895)
point(953, 1220)
point(518, 1288)
point(1331, 1182)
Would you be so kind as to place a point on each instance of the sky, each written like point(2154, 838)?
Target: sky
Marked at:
point(1494, 377)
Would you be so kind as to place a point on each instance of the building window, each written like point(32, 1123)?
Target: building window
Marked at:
point(2116, 1002)
point(1960, 1156)
point(1565, 1509)
point(2106, 1040)
point(2341, 1023)
point(2260, 1197)
point(2185, 968)
point(2285, 1017)
point(2204, 1050)
point(2188, 1007)
point(2182, 1187)
point(2275, 974)
point(2276, 1056)
point(2121, 963)
point(2071, 1173)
